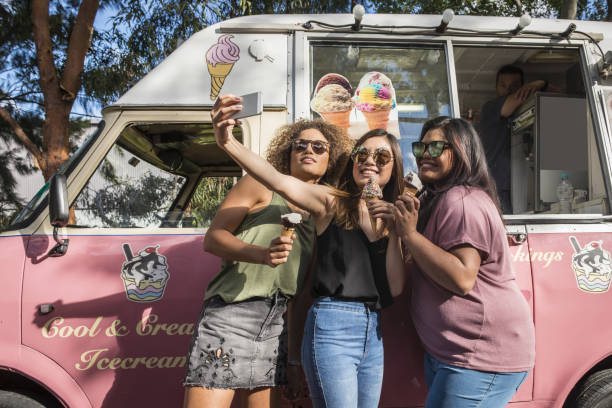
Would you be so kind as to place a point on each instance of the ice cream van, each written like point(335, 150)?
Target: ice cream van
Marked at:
point(104, 271)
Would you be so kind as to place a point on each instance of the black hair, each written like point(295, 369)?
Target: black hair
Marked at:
point(510, 70)
point(469, 166)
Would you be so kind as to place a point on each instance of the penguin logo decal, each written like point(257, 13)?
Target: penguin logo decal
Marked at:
point(592, 266)
point(145, 275)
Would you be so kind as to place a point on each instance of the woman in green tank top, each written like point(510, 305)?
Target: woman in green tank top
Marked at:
point(241, 340)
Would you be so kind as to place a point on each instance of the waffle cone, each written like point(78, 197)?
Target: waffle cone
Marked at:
point(377, 119)
point(218, 73)
point(287, 232)
point(340, 119)
point(372, 219)
point(410, 190)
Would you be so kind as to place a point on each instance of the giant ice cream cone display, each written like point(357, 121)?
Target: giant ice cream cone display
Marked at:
point(220, 59)
point(375, 97)
point(333, 100)
point(371, 192)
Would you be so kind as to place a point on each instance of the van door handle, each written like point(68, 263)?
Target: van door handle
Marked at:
point(516, 238)
point(45, 308)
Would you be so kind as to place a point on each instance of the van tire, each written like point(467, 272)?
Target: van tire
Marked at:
point(10, 399)
point(595, 391)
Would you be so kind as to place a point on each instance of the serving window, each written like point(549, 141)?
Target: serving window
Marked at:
point(361, 87)
point(550, 134)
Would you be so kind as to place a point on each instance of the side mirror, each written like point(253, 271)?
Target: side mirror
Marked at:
point(58, 201)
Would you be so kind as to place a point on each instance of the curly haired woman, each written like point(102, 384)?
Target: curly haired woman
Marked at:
point(241, 341)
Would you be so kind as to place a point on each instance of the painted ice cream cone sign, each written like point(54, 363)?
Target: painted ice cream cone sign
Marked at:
point(145, 275)
point(592, 265)
point(288, 223)
point(333, 100)
point(375, 97)
point(220, 59)
point(371, 192)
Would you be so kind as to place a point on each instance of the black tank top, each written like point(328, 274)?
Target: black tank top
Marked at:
point(350, 267)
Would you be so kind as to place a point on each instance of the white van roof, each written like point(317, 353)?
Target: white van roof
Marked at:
point(184, 78)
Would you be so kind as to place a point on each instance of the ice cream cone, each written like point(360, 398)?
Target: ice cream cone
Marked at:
point(340, 119)
point(377, 119)
point(218, 73)
point(372, 219)
point(410, 190)
point(287, 232)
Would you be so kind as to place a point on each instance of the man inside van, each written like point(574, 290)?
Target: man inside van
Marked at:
point(494, 127)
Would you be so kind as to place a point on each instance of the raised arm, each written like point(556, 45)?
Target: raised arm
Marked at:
point(245, 196)
point(314, 198)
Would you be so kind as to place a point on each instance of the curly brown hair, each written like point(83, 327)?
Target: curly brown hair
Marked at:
point(340, 145)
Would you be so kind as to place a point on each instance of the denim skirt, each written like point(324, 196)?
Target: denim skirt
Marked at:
point(239, 345)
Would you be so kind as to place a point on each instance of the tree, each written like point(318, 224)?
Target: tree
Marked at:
point(61, 40)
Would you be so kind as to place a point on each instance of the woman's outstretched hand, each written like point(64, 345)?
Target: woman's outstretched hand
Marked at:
point(223, 109)
point(406, 214)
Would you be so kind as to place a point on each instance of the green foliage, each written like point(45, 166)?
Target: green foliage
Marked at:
point(207, 198)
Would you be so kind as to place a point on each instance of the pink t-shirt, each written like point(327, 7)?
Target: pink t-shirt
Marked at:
point(490, 328)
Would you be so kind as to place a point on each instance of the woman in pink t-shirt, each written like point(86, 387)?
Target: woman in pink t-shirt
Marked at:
point(473, 321)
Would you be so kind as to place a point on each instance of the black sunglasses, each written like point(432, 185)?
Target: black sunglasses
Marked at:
point(382, 156)
point(435, 148)
point(318, 146)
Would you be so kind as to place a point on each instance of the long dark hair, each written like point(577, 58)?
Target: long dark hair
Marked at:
point(347, 201)
point(469, 167)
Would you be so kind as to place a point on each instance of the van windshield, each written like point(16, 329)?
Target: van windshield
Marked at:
point(39, 199)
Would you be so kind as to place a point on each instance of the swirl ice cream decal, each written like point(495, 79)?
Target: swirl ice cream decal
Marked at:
point(144, 275)
point(220, 59)
point(592, 265)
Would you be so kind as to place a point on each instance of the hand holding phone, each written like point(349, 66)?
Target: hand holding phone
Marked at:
point(252, 104)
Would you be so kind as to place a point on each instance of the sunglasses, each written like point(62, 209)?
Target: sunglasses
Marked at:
point(382, 156)
point(318, 146)
point(435, 148)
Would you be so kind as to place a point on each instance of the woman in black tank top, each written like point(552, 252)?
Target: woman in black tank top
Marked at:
point(359, 259)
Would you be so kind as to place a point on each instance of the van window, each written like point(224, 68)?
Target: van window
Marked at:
point(157, 175)
point(420, 90)
point(547, 135)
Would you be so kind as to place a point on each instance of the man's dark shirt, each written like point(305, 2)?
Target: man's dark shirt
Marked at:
point(494, 132)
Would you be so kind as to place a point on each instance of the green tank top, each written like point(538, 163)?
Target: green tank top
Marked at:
point(239, 281)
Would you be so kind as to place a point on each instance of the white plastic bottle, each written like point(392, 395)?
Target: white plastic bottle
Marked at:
point(565, 193)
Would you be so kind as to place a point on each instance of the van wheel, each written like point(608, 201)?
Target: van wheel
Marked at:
point(9, 399)
point(596, 391)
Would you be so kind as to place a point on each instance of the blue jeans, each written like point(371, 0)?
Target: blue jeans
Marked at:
point(455, 387)
point(342, 354)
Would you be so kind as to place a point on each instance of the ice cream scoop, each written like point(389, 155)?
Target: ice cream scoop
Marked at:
point(332, 98)
point(334, 79)
point(220, 58)
point(288, 223)
point(412, 184)
point(375, 97)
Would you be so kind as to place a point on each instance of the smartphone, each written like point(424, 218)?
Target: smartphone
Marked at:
point(252, 104)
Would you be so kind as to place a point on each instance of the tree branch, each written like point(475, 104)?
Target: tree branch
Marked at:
point(49, 83)
point(80, 38)
point(23, 138)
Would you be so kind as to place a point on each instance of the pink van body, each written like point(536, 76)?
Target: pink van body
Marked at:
point(98, 349)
